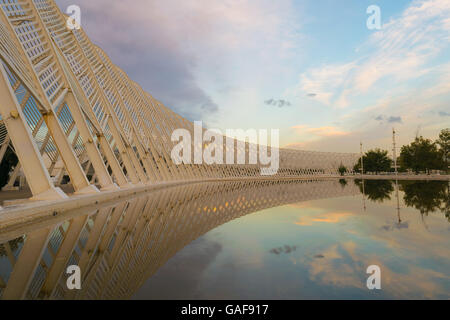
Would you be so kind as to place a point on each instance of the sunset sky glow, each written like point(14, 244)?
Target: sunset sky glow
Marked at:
point(308, 67)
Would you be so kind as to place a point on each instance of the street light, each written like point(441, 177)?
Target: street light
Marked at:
point(362, 162)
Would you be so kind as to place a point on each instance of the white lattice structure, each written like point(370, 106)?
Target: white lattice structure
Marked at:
point(73, 117)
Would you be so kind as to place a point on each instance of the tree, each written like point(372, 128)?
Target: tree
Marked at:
point(375, 161)
point(444, 144)
point(421, 155)
point(342, 169)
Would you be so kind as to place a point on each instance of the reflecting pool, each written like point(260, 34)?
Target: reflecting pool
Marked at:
point(242, 240)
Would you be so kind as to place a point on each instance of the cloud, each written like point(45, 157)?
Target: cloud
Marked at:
point(278, 103)
point(401, 76)
point(402, 51)
point(391, 119)
point(179, 51)
point(327, 139)
point(140, 39)
point(395, 120)
point(325, 81)
point(444, 114)
point(338, 143)
point(321, 131)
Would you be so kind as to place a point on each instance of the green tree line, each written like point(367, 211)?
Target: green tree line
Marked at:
point(421, 155)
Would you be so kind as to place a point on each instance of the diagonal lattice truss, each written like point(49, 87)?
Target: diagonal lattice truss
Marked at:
point(74, 118)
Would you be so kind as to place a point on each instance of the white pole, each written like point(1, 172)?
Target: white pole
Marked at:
point(394, 152)
point(362, 162)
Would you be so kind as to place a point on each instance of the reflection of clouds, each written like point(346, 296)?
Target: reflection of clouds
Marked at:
point(329, 217)
point(416, 282)
point(344, 265)
point(416, 238)
point(331, 258)
point(300, 205)
point(248, 252)
point(179, 277)
point(286, 249)
point(396, 226)
point(410, 238)
point(334, 269)
point(413, 259)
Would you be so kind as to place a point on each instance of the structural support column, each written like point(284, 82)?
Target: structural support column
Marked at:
point(26, 265)
point(144, 157)
point(126, 158)
point(77, 177)
point(97, 161)
point(37, 175)
point(122, 180)
point(137, 164)
point(63, 255)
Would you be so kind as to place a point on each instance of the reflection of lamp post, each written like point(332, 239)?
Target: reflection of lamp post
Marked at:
point(364, 195)
point(398, 202)
point(362, 173)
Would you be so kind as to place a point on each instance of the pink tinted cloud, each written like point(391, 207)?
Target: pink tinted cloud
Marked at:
point(327, 131)
point(170, 47)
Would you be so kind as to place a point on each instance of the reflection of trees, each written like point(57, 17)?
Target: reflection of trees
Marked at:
point(446, 207)
point(376, 190)
point(343, 182)
point(427, 196)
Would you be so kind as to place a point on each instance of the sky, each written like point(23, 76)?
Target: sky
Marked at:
point(311, 68)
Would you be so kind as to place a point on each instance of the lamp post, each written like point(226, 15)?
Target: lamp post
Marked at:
point(362, 158)
point(394, 151)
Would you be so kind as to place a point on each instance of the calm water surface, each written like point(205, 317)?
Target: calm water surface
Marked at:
point(292, 240)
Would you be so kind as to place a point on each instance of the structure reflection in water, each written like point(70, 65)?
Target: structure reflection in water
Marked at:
point(317, 249)
point(118, 247)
